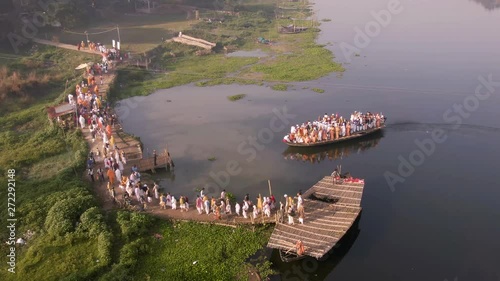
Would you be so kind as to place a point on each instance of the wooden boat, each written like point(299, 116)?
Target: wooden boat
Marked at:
point(327, 142)
point(290, 255)
point(340, 248)
point(334, 151)
point(332, 206)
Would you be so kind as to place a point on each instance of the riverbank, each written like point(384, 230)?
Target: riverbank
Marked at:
point(61, 218)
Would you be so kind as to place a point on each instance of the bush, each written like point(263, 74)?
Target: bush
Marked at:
point(34, 212)
point(129, 254)
point(236, 97)
point(118, 272)
point(104, 241)
point(279, 87)
point(92, 222)
point(133, 224)
point(15, 85)
point(63, 216)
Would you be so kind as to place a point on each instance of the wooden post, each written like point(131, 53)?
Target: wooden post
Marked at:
point(270, 191)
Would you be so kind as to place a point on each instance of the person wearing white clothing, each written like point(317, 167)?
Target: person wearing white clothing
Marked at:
point(118, 175)
point(155, 189)
point(245, 209)
point(237, 208)
point(228, 207)
point(82, 121)
point(174, 203)
point(290, 218)
point(300, 201)
point(222, 207)
point(267, 210)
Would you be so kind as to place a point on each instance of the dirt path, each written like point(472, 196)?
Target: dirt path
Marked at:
point(65, 46)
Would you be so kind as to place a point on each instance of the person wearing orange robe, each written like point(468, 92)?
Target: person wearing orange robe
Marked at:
point(300, 248)
point(108, 130)
point(111, 176)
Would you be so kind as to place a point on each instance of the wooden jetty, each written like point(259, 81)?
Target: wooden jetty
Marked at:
point(331, 208)
point(188, 40)
point(163, 160)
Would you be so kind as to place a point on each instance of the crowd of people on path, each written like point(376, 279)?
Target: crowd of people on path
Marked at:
point(106, 164)
point(222, 206)
point(107, 54)
point(332, 127)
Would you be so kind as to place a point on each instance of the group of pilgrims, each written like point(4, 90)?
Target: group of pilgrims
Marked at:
point(333, 127)
point(210, 205)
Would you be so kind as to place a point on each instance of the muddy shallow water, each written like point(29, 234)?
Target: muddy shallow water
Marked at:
point(439, 220)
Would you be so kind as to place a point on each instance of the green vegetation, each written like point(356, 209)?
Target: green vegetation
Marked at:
point(212, 159)
point(296, 58)
point(308, 61)
point(50, 194)
point(68, 236)
point(71, 240)
point(183, 71)
point(318, 90)
point(228, 81)
point(38, 77)
point(236, 97)
point(189, 251)
point(279, 87)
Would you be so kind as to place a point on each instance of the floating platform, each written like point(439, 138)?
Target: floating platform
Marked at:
point(330, 211)
point(163, 160)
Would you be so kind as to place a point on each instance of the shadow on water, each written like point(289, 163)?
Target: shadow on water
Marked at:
point(311, 269)
point(334, 151)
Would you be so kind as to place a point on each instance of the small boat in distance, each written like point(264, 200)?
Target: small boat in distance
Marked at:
point(332, 129)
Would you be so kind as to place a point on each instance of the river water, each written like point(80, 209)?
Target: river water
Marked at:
point(430, 205)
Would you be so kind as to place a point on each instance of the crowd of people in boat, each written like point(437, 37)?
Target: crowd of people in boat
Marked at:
point(333, 127)
point(335, 153)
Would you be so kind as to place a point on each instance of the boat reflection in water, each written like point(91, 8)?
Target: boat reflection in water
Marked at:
point(332, 152)
point(312, 269)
